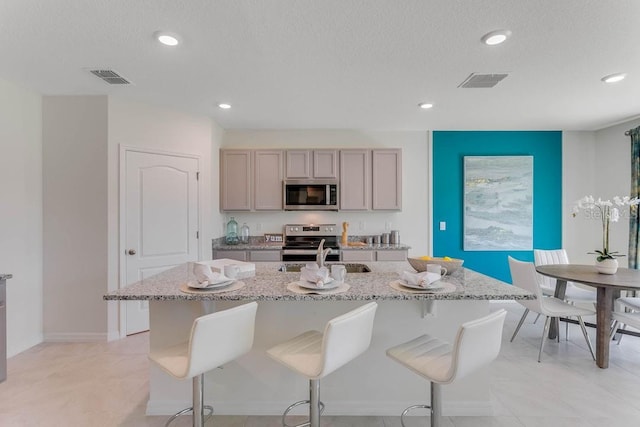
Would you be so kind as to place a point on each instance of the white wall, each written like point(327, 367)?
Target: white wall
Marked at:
point(75, 217)
point(597, 164)
point(155, 128)
point(21, 213)
point(413, 221)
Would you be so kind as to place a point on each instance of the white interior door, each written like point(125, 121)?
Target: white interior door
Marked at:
point(160, 220)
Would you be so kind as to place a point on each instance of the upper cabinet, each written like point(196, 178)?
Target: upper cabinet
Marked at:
point(251, 180)
point(309, 164)
point(386, 179)
point(355, 180)
point(268, 176)
point(235, 180)
point(371, 179)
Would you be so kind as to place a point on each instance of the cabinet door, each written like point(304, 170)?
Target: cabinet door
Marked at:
point(268, 175)
point(268, 256)
point(299, 164)
point(237, 255)
point(355, 180)
point(348, 256)
point(386, 179)
point(235, 180)
point(325, 164)
point(391, 255)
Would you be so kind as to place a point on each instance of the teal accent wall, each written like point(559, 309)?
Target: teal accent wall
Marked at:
point(449, 150)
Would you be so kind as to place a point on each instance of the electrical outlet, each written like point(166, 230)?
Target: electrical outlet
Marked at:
point(443, 225)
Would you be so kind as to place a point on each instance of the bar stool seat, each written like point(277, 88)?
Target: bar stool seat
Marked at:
point(215, 339)
point(477, 344)
point(315, 355)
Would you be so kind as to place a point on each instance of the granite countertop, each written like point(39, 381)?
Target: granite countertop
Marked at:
point(398, 247)
point(269, 284)
point(4, 276)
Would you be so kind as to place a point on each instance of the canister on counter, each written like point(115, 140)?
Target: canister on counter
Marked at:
point(385, 238)
point(376, 240)
point(395, 237)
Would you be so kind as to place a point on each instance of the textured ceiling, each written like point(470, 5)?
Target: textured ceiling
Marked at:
point(336, 64)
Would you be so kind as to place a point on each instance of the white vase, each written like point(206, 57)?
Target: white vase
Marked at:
point(607, 266)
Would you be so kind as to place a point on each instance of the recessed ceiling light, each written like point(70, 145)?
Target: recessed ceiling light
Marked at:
point(613, 78)
point(167, 39)
point(224, 106)
point(425, 105)
point(495, 37)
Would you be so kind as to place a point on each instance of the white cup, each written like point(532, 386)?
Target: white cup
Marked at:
point(338, 272)
point(231, 271)
point(436, 268)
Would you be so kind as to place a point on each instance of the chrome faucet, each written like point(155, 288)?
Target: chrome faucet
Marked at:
point(322, 254)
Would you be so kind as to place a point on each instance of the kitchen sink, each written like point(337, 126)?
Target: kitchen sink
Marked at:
point(351, 268)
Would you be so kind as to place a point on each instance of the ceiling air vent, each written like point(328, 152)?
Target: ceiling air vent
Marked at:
point(110, 77)
point(482, 80)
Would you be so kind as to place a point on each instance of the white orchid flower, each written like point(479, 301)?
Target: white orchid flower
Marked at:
point(615, 215)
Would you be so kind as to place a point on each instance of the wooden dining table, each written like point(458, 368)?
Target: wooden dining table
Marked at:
point(608, 289)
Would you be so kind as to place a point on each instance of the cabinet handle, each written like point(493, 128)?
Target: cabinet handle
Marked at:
point(131, 251)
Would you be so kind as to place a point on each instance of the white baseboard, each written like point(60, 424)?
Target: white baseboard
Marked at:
point(76, 337)
point(365, 408)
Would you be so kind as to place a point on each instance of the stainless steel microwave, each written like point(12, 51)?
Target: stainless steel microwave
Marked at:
point(310, 195)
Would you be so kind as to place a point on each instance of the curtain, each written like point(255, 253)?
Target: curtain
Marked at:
point(634, 214)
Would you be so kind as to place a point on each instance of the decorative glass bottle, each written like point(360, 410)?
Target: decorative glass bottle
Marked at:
point(244, 233)
point(232, 232)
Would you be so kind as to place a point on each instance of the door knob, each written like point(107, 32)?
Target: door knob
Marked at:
point(131, 251)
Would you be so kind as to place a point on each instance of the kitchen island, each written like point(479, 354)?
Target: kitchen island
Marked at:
point(371, 385)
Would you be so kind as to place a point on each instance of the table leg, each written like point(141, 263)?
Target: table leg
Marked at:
point(561, 289)
point(604, 306)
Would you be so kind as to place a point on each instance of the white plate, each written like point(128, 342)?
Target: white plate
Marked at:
point(206, 285)
point(432, 287)
point(310, 285)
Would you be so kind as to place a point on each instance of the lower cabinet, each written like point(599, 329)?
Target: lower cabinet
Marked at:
point(256, 256)
point(364, 255)
point(237, 255)
point(264, 256)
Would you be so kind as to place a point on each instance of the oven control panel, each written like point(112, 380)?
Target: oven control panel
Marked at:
point(310, 229)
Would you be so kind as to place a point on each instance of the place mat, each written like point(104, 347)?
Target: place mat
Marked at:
point(238, 284)
point(295, 288)
point(445, 289)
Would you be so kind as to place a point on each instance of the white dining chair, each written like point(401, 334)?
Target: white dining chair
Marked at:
point(624, 318)
point(630, 304)
point(524, 275)
point(573, 293)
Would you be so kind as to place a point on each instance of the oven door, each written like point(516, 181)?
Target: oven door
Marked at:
point(307, 255)
point(310, 195)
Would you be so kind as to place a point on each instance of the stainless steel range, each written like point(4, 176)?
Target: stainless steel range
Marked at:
point(302, 240)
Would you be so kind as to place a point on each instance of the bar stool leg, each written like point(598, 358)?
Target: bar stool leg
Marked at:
point(436, 404)
point(198, 401)
point(314, 403)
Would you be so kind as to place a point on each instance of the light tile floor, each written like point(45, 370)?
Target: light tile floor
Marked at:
point(105, 384)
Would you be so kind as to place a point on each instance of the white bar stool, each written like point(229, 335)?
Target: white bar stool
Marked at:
point(315, 355)
point(216, 339)
point(477, 344)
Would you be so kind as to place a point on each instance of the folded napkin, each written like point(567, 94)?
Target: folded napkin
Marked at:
point(423, 279)
point(314, 274)
point(204, 273)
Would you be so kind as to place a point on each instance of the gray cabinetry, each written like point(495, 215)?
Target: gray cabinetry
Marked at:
point(268, 176)
point(237, 255)
point(308, 164)
point(355, 180)
point(386, 179)
point(251, 180)
point(235, 180)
